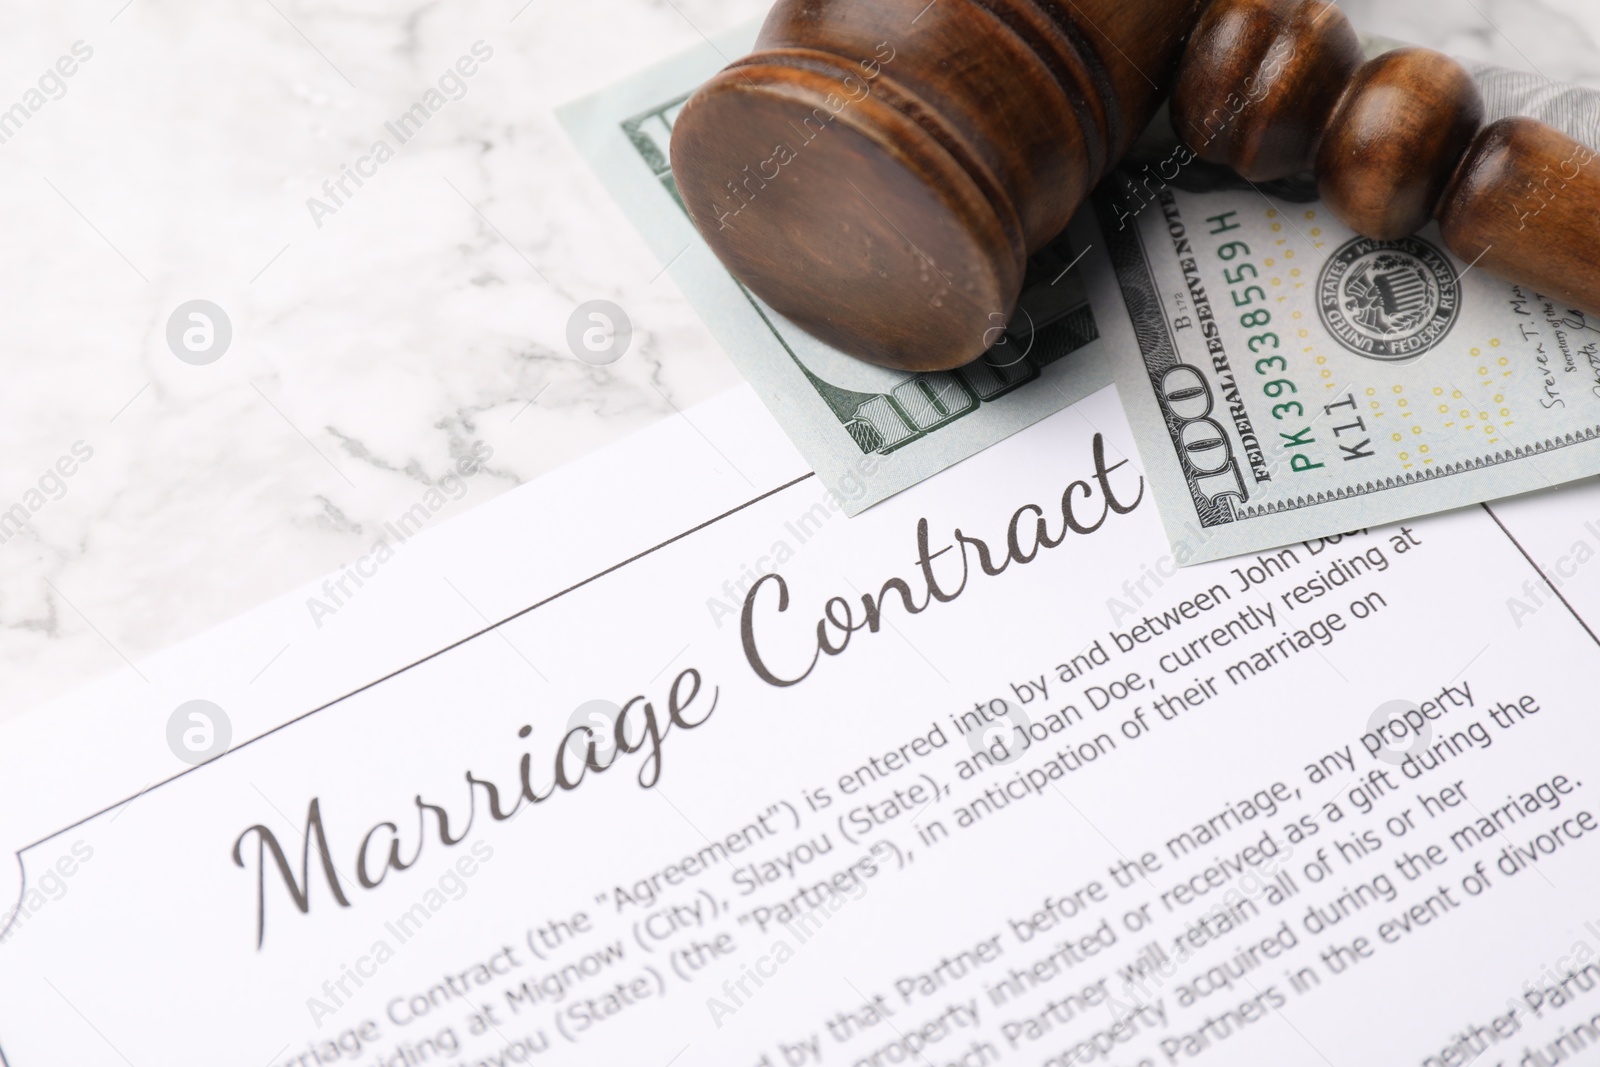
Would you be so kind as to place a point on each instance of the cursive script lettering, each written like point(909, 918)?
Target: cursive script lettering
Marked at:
point(638, 728)
point(1024, 541)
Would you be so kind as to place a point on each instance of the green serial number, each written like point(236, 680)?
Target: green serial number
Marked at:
point(1245, 297)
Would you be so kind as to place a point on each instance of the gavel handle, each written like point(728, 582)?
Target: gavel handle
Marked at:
point(1525, 204)
point(1277, 87)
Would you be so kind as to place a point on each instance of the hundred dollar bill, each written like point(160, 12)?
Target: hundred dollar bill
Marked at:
point(1292, 380)
point(868, 432)
point(1286, 379)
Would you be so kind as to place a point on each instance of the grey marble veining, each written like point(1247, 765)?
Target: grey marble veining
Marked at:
point(379, 335)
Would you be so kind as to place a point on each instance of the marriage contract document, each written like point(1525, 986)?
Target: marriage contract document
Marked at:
point(664, 761)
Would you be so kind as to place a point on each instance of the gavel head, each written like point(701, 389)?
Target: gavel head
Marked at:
point(879, 171)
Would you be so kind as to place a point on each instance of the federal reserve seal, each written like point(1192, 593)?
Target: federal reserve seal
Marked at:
point(1389, 300)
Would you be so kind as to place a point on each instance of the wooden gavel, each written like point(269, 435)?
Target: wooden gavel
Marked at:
point(879, 171)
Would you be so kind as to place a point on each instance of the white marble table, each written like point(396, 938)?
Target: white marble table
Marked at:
point(372, 346)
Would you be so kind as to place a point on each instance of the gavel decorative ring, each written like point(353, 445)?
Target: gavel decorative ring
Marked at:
point(879, 171)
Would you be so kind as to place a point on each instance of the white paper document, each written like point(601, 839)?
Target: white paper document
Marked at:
point(663, 760)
